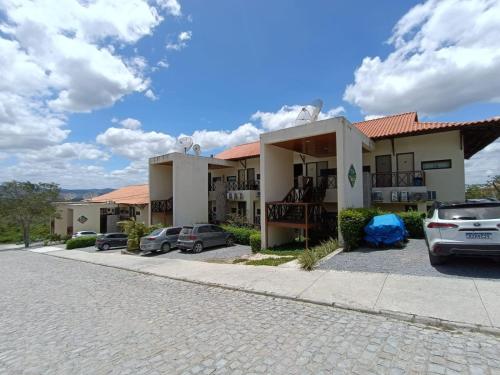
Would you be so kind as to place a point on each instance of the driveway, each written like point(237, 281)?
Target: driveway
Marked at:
point(211, 254)
point(411, 260)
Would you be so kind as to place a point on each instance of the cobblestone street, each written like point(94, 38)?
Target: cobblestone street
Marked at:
point(66, 317)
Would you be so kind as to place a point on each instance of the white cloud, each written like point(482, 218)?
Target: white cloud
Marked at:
point(131, 123)
point(483, 165)
point(64, 152)
point(212, 139)
point(172, 6)
point(163, 64)
point(59, 57)
point(181, 42)
point(150, 95)
point(446, 55)
point(285, 117)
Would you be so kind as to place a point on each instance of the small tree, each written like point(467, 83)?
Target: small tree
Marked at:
point(26, 204)
point(495, 183)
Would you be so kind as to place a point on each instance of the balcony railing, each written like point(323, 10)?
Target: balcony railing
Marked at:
point(300, 213)
point(235, 185)
point(162, 206)
point(398, 179)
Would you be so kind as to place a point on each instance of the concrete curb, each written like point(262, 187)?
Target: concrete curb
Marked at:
point(396, 315)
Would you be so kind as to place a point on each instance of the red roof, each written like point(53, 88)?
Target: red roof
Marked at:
point(403, 124)
point(133, 194)
point(408, 124)
point(244, 151)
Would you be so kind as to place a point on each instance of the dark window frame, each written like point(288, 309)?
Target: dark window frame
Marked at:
point(435, 161)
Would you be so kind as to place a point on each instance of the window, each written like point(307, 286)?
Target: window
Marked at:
point(231, 178)
point(366, 168)
point(204, 229)
point(328, 172)
point(215, 228)
point(470, 212)
point(436, 164)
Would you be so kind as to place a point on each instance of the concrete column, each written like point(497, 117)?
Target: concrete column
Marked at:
point(276, 179)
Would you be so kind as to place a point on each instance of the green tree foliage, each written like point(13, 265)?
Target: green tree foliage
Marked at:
point(491, 189)
point(27, 204)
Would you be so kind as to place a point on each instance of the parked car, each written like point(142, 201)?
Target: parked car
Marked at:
point(468, 229)
point(84, 233)
point(108, 240)
point(200, 236)
point(163, 239)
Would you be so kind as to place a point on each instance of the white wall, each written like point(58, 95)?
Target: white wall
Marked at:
point(92, 211)
point(449, 184)
point(190, 190)
point(276, 166)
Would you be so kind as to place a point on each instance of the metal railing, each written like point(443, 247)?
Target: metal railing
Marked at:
point(398, 179)
point(243, 185)
point(163, 206)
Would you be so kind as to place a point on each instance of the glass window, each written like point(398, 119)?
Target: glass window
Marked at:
point(187, 230)
point(436, 164)
point(231, 178)
point(156, 232)
point(471, 212)
point(204, 229)
point(215, 228)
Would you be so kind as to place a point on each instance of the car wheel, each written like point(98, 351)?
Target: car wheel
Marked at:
point(230, 241)
point(436, 260)
point(165, 247)
point(105, 246)
point(198, 247)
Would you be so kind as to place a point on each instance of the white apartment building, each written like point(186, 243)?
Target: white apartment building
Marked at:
point(298, 177)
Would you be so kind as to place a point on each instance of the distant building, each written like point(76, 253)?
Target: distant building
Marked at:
point(102, 213)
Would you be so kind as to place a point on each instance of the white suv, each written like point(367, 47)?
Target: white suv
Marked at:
point(471, 229)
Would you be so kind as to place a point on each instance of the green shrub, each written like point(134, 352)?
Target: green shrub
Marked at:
point(79, 242)
point(269, 261)
point(309, 258)
point(354, 220)
point(241, 234)
point(255, 242)
point(414, 223)
point(352, 224)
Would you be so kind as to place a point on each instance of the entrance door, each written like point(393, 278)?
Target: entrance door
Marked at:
point(241, 176)
point(405, 165)
point(250, 178)
point(242, 209)
point(383, 167)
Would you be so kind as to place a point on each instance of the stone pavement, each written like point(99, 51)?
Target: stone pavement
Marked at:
point(431, 300)
point(64, 317)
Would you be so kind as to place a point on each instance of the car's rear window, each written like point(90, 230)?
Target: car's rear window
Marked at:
point(479, 212)
point(156, 232)
point(187, 230)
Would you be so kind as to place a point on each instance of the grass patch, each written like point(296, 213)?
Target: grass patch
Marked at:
point(270, 261)
point(290, 249)
point(240, 260)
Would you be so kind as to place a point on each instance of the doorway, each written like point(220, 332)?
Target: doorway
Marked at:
point(405, 163)
point(383, 168)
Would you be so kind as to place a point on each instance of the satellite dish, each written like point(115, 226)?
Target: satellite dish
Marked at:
point(186, 143)
point(304, 117)
point(197, 149)
point(309, 113)
point(317, 105)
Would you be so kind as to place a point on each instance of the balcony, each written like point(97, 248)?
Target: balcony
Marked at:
point(236, 186)
point(398, 179)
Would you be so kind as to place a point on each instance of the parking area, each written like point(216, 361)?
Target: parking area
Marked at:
point(411, 260)
point(211, 254)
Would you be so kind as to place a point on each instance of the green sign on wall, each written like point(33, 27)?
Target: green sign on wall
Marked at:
point(351, 175)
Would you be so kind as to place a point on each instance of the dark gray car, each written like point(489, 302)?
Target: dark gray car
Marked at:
point(162, 239)
point(200, 236)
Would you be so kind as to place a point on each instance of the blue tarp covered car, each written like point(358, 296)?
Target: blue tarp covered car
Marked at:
point(385, 230)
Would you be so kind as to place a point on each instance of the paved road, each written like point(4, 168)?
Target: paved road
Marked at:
point(66, 317)
point(411, 260)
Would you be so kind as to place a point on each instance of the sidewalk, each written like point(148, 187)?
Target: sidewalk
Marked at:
point(469, 303)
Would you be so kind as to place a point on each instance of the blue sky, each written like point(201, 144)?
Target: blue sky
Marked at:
point(223, 71)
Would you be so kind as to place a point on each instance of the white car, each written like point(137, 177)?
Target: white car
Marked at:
point(84, 233)
point(470, 229)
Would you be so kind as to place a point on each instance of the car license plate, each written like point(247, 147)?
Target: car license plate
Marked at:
point(478, 236)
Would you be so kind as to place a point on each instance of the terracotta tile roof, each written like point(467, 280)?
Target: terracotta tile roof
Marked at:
point(403, 124)
point(247, 150)
point(133, 194)
point(408, 124)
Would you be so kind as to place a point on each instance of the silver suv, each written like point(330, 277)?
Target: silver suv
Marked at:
point(162, 239)
point(200, 236)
